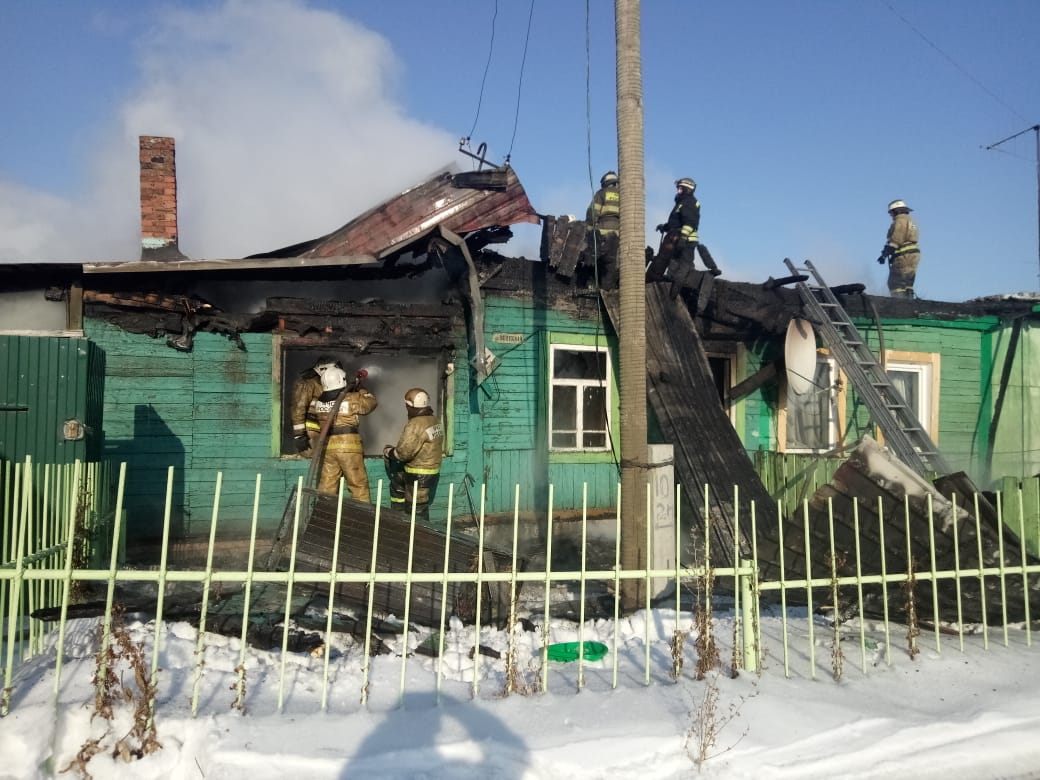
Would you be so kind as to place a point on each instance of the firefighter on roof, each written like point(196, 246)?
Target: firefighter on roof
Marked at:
point(681, 238)
point(604, 220)
point(415, 463)
point(901, 251)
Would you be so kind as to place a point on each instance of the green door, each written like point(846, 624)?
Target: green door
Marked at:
point(50, 398)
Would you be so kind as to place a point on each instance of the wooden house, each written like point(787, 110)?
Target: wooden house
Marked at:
point(189, 364)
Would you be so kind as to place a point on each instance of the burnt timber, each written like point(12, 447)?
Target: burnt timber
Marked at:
point(394, 544)
point(707, 450)
point(920, 527)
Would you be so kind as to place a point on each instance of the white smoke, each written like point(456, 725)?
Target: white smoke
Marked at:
point(286, 124)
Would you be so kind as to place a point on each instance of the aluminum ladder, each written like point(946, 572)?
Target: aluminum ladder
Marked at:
point(903, 432)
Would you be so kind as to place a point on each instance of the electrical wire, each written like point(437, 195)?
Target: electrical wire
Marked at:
point(600, 335)
point(951, 60)
point(487, 67)
point(520, 82)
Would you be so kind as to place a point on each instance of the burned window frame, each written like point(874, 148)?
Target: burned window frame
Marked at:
point(437, 378)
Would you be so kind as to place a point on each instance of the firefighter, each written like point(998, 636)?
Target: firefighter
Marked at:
point(343, 454)
point(604, 220)
point(901, 251)
point(304, 419)
point(415, 463)
point(681, 238)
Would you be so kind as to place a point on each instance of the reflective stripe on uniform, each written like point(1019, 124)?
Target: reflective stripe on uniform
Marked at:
point(906, 248)
point(411, 470)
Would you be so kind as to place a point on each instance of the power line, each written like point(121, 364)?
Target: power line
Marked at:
point(520, 82)
point(951, 60)
point(487, 66)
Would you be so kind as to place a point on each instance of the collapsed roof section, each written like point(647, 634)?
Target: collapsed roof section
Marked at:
point(461, 202)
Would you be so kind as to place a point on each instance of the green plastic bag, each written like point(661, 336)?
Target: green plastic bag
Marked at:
point(568, 651)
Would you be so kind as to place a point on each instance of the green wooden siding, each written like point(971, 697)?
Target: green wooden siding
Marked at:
point(45, 381)
point(208, 410)
point(961, 436)
point(1016, 440)
point(511, 413)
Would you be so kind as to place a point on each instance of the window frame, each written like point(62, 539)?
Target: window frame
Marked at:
point(927, 365)
point(837, 406)
point(442, 387)
point(582, 343)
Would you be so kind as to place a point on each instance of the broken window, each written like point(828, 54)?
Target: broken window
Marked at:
point(812, 417)
point(579, 397)
point(390, 375)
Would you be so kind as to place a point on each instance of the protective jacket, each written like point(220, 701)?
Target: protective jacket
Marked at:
point(902, 235)
point(304, 418)
point(343, 433)
point(421, 445)
point(604, 213)
point(685, 218)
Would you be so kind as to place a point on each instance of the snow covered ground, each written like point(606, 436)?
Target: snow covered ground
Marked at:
point(947, 714)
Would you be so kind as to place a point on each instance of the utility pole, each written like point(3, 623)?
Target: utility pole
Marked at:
point(1033, 129)
point(632, 295)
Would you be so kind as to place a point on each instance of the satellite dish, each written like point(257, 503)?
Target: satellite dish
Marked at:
point(800, 356)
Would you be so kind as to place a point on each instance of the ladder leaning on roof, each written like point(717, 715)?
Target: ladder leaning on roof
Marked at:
point(903, 432)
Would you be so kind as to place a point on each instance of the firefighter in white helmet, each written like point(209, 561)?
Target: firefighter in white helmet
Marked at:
point(901, 251)
point(414, 464)
point(343, 454)
point(680, 239)
point(603, 218)
point(304, 418)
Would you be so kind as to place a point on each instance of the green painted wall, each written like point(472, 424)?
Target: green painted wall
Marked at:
point(200, 412)
point(512, 416)
point(1016, 442)
point(963, 411)
point(216, 409)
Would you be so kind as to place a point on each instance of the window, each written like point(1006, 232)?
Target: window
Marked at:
point(579, 398)
point(915, 375)
point(390, 375)
point(811, 420)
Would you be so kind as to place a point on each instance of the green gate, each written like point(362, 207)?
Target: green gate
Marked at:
point(51, 390)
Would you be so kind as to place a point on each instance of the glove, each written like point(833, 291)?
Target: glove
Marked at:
point(388, 451)
point(715, 272)
point(302, 442)
point(881, 260)
point(888, 250)
point(662, 228)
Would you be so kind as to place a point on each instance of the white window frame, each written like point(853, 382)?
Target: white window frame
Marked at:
point(579, 384)
point(926, 366)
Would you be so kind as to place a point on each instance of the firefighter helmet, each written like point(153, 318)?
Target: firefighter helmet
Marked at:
point(417, 398)
point(898, 205)
point(610, 177)
point(333, 378)
point(687, 183)
point(326, 362)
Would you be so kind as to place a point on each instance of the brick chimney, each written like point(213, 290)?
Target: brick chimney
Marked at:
point(158, 199)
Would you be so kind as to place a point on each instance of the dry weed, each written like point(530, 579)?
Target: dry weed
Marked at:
point(120, 656)
point(913, 627)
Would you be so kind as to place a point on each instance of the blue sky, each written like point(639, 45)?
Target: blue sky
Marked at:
point(800, 121)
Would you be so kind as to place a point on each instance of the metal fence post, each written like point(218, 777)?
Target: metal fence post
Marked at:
point(747, 616)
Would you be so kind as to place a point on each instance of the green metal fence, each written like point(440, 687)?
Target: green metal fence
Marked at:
point(45, 564)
